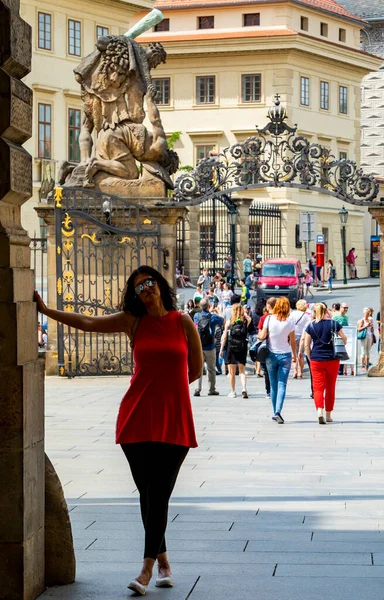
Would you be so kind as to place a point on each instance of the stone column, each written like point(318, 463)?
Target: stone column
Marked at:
point(167, 217)
point(378, 369)
point(242, 231)
point(21, 373)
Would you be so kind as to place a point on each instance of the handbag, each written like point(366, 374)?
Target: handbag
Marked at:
point(374, 340)
point(361, 335)
point(259, 351)
point(339, 350)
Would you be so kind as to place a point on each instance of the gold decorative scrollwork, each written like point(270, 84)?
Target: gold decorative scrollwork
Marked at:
point(62, 371)
point(91, 237)
point(68, 276)
point(58, 250)
point(59, 286)
point(68, 297)
point(67, 245)
point(58, 196)
point(67, 229)
point(147, 221)
point(124, 239)
point(69, 308)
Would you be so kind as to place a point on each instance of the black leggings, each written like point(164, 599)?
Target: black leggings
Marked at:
point(155, 467)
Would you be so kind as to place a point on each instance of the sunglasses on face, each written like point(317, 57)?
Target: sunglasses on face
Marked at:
point(148, 283)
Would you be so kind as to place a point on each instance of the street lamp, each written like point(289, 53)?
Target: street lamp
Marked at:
point(107, 210)
point(343, 214)
point(232, 221)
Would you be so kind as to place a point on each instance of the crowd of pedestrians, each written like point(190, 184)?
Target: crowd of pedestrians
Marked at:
point(305, 334)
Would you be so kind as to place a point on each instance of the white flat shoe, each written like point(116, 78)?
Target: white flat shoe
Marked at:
point(137, 587)
point(164, 582)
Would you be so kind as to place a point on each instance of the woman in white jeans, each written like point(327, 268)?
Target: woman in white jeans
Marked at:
point(366, 324)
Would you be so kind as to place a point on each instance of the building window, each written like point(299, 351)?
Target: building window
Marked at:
point(304, 91)
point(163, 26)
point(205, 90)
point(203, 151)
point(324, 29)
point(251, 88)
point(343, 155)
point(304, 23)
point(343, 100)
point(342, 35)
point(101, 31)
point(45, 131)
point(163, 89)
point(324, 95)
point(251, 19)
point(206, 22)
point(74, 127)
point(74, 37)
point(45, 31)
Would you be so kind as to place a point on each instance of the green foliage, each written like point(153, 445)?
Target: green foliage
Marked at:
point(173, 138)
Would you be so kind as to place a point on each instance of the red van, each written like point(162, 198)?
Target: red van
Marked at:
point(281, 277)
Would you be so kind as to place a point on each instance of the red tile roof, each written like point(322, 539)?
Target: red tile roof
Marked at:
point(328, 5)
point(214, 35)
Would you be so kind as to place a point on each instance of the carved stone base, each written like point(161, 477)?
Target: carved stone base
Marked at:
point(135, 189)
point(378, 369)
point(60, 562)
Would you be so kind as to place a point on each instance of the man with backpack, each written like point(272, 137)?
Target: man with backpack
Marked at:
point(206, 322)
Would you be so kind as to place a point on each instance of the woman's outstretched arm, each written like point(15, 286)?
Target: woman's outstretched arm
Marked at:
point(114, 323)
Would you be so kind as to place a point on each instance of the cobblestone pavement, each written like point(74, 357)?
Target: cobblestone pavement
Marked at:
point(260, 511)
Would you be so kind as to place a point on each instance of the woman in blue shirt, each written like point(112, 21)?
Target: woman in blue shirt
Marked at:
point(324, 366)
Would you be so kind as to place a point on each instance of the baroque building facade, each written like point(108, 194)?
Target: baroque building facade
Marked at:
point(226, 61)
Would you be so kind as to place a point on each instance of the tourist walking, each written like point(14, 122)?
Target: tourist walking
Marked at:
point(329, 274)
point(226, 295)
point(308, 279)
point(167, 353)
point(324, 366)
point(365, 330)
point(204, 280)
point(268, 310)
point(247, 266)
point(312, 265)
point(207, 321)
point(235, 339)
point(351, 261)
point(279, 328)
point(301, 318)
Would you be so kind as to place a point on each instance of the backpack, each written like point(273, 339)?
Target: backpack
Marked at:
point(204, 330)
point(238, 336)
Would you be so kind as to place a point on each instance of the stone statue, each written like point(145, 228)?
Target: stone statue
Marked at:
point(127, 159)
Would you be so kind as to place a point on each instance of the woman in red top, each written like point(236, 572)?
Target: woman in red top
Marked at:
point(155, 423)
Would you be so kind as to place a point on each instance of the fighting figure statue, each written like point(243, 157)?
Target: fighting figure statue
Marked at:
point(127, 159)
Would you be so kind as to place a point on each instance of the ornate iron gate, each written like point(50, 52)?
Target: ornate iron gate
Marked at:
point(215, 235)
point(100, 240)
point(264, 230)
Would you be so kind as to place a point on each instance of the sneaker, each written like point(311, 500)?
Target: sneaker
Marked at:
point(232, 395)
point(268, 396)
point(197, 393)
point(244, 394)
point(214, 393)
point(274, 419)
point(320, 416)
point(279, 418)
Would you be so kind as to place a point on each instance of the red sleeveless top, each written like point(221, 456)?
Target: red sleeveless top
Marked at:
point(157, 406)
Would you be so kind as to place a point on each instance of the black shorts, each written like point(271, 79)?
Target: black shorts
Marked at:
point(236, 358)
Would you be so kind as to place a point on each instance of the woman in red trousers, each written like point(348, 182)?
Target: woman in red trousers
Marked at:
point(155, 423)
point(324, 367)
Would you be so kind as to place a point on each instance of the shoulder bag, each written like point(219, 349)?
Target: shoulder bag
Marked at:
point(361, 335)
point(259, 351)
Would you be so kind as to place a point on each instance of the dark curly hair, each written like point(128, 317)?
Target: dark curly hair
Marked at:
point(132, 304)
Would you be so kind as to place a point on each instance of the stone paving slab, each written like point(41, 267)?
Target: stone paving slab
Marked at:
point(260, 511)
